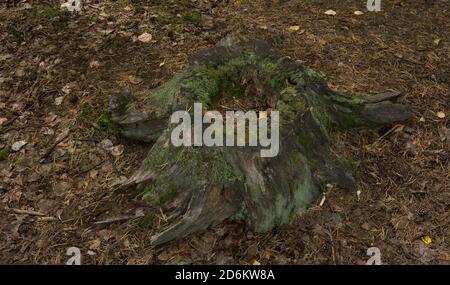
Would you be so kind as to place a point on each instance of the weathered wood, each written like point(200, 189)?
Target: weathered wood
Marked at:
point(200, 186)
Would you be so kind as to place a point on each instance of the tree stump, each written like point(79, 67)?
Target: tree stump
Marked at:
point(200, 186)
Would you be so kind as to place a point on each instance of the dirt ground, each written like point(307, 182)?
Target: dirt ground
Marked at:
point(58, 69)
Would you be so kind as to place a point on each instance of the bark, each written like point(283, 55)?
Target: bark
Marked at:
point(197, 187)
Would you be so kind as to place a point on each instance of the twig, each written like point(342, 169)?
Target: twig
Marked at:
point(116, 219)
point(86, 140)
point(394, 128)
point(50, 150)
point(16, 116)
point(90, 168)
point(137, 214)
point(47, 219)
point(27, 212)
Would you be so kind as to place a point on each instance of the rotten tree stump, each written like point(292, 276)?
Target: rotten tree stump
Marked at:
point(197, 187)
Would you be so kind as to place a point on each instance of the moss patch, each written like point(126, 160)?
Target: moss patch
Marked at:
point(4, 153)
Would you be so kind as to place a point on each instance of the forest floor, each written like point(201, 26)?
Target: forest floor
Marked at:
point(58, 69)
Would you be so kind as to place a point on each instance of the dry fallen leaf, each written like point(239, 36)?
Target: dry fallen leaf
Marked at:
point(106, 144)
point(440, 115)
point(18, 145)
point(294, 28)
point(427, 240)
point(145, 37)
point(94, 64)
point(410, 146)
point(3, 120)
point(117, 150)
point(58, 100)
point(68, 87)
point(93, 173)
point(135, 80)
point(256, 262)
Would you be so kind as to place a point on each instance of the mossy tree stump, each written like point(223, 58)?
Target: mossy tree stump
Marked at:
point(200, 186)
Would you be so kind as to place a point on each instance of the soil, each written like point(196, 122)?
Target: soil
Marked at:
point(58, 69)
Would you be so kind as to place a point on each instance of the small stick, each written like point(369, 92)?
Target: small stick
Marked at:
point(90, 168)
point(11, 121)
point(47, 219)
point(115, 219)
point(50, 150)
point(394, 128)
point(86, 140)
point(27, 212)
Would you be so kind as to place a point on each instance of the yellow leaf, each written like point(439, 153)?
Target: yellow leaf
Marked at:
point(427, 240)
point(440, 115)
point(294, 28)
point(256, 262)
point(437, 41)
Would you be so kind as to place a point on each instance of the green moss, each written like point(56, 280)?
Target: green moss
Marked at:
point(296, 158)
point(320, 109)
point(313, 76)
point(43, 13)
point(160, 99)
point(350, 164)
point(324, 119)
point(4, 153)
point(290, 105)
point(240, 214)
point(89, 115)
point(179, 13)
point(202, 88)
point(193, 17)
point(87, 111)
point(223, 171)
point(208, 83)
point(104, 121)
point(306, 192)
point(49, 17)
point(160, 191)
point(350, 120)
point(305, 141)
